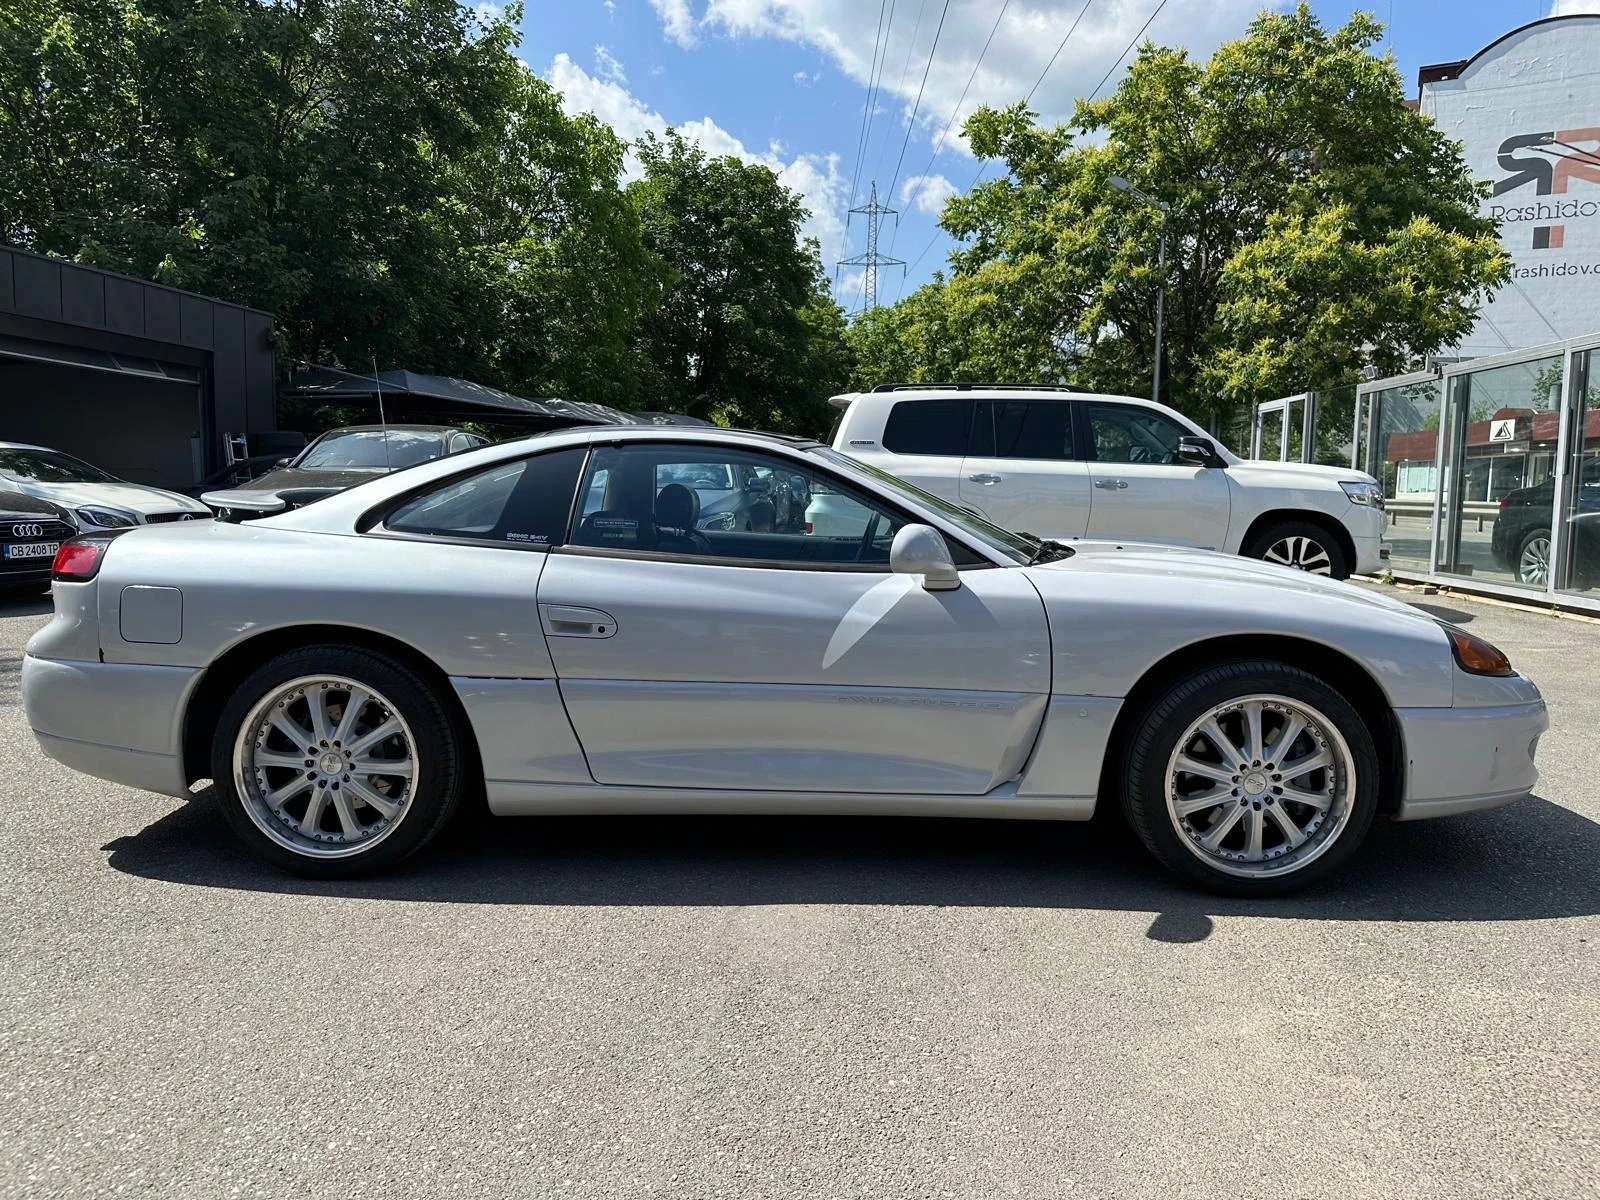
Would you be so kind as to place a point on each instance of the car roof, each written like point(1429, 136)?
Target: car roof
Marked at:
point(25, 446)
point(983, 391)
point(394, 427)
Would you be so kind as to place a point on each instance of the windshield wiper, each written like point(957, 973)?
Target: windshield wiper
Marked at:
point(1047, 549)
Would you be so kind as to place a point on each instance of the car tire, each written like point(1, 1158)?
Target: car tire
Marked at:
point(1166, 804)
point(1302, 545)
point(387, 798)
point(1532, 562)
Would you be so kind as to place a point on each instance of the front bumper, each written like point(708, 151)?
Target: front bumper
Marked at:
point(1366, 526)
point(114, 721)
point(1464, 759)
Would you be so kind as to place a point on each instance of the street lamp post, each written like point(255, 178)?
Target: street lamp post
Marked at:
point(1161, 206)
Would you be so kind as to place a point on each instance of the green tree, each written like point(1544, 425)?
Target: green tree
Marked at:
point(383, 175)
point(744, 330)
point(1317, 226)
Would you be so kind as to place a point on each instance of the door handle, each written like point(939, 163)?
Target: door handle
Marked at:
point(1111, 484)
point(984, 477)
point(566, 620)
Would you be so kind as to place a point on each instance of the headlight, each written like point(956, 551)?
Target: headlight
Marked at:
point(722, 520)
point(1476, 656)
point(1363, 493)
point(107, 518)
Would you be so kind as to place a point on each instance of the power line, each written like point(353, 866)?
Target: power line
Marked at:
point(1062, 45)
point(910, 124)
point(905, 66)
point(939, 145)
point(871, 260)
point(1129, 46)
point(866, 113)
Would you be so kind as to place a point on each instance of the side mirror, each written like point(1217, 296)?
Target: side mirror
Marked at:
point(921, 550)
point(283, 462)
point(1197, 452)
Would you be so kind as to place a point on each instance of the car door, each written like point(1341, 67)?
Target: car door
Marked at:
point(782, 661)
point(1020, 471)
point(925, 442)
point(1141, 493)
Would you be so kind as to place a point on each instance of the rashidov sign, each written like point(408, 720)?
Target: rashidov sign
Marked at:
point(1526, 110)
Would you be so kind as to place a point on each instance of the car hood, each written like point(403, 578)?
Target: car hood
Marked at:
point(1178, 569)
point(130, 497)
point(292, 478)
point(1268, 470)
point(21, 506)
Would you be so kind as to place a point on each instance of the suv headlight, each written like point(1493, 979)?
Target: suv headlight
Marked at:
point(1363, 493)
point(107, 518)
point(717, 521)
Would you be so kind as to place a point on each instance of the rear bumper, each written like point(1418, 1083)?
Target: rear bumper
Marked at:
point(1464, 759)
point(114, 721)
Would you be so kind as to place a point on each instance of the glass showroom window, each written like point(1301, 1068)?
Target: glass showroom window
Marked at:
point(1502, 428)
point(1400, 448)
point(1582, 487)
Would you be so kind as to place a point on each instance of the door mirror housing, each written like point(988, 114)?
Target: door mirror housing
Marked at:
point(921, 550)
point(1196, 451)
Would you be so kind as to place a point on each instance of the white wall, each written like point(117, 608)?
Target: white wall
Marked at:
point(138, 429)
point(1545, 80)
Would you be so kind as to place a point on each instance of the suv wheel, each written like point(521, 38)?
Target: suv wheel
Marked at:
point(334, 761)
point(1301, 545)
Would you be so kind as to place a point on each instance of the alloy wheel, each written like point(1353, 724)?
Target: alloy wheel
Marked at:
point(325, 766)
point(1260, 786)
point(1533, 565)
point(1302, 553)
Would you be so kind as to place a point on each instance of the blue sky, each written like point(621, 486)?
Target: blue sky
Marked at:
point(786, 82)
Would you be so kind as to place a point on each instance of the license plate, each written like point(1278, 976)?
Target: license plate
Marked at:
point(33, 550)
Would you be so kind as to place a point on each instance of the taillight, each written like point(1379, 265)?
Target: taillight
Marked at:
point(810, 527)
point(79, 559)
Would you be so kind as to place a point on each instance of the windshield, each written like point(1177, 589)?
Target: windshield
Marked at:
point(1019, 547)
point(366, 450)
point(50, 466)
point(716, 477)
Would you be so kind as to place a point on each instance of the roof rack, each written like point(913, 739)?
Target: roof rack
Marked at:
point(973, 387)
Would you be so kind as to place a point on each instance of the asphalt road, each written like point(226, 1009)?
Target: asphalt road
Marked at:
point(801, 1007)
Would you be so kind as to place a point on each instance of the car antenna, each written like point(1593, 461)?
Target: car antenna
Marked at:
point(388, 463)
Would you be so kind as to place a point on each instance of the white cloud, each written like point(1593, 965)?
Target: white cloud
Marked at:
point(846, 30)
point(927, 192)
point(607, 66)
point(807, 78)
point(1567, 8)
point(815, 177)
point(677, 19)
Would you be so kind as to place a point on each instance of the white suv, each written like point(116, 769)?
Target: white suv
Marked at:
point(1065, 464)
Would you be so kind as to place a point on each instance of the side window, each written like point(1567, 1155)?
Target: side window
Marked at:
point(522, 503)
point(460, 442)
point(928, 427)
point(1039, 429)
point(696, 502)
point(1121, 434)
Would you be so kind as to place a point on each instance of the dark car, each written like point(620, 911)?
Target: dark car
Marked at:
point(1522, 531)
point(31, 531)
point(340, 459)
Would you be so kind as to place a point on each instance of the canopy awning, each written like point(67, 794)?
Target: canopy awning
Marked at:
point(410, 395)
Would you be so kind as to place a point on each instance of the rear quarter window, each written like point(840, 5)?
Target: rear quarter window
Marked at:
point(523, 503)
point(929, 427)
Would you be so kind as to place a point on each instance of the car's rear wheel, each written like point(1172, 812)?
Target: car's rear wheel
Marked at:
point(1302, 545)
point(1251, 778)
point(1533, 558)
point(334, 761)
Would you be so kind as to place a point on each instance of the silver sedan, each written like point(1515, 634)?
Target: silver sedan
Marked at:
point(547, 626)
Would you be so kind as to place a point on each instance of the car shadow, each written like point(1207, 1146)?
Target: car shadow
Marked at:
point(26, 602)
point(1530, 860)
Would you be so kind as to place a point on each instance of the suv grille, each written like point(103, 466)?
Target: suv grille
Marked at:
point(159, 518)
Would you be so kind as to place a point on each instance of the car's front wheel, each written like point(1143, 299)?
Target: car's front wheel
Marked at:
point(1251, 778)
point(334, 761)
point(1299, 544)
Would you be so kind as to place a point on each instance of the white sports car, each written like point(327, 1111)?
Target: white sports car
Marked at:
point(351, 672)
